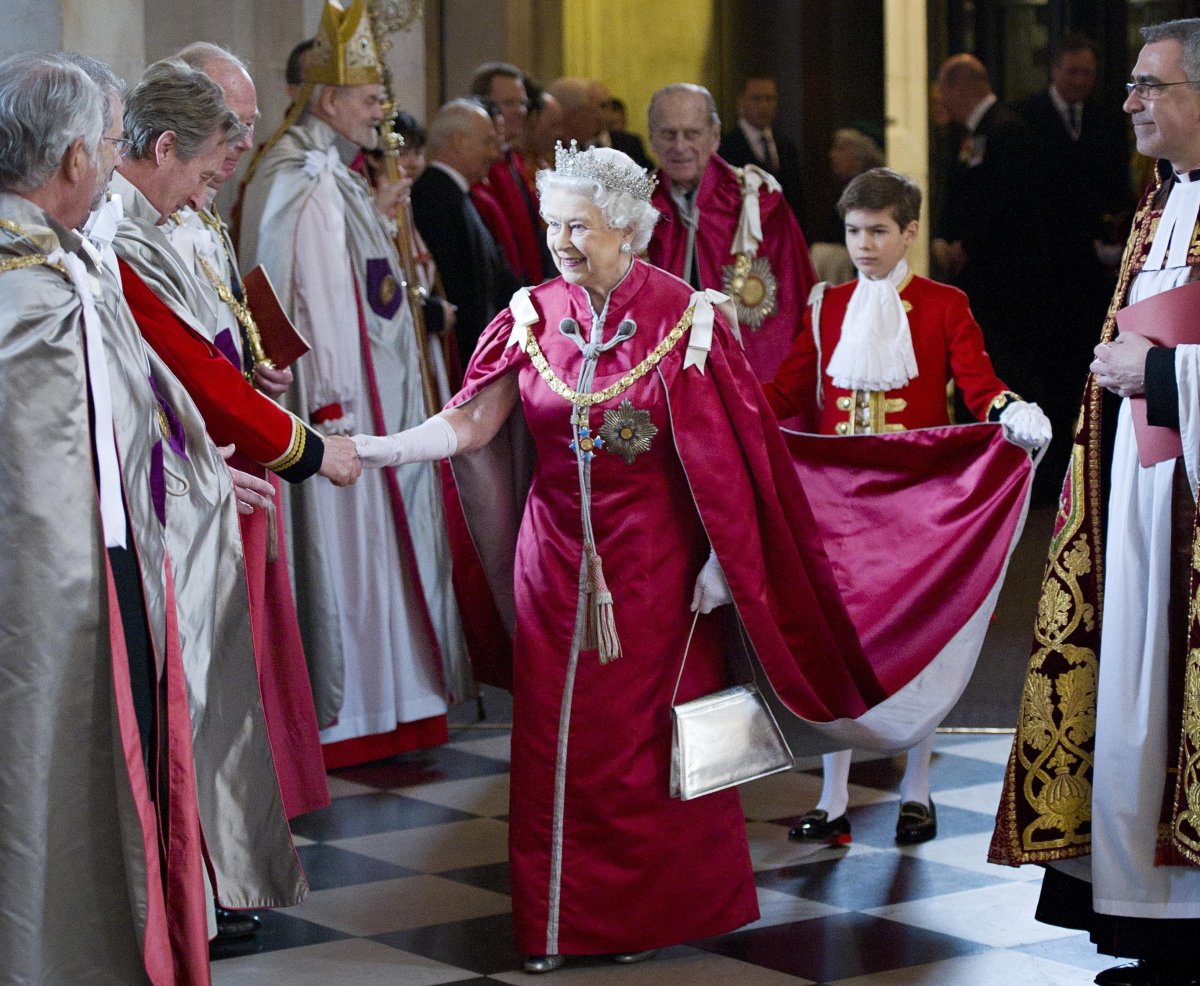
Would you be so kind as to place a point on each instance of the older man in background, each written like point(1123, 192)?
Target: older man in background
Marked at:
point(726, 228)
point(462, 146)
point(381, 628)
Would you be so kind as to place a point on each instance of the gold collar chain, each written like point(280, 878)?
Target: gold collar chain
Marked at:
point(584, 400)
point(240, 312)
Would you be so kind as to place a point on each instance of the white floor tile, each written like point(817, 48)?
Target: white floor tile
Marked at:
point(983, 798)
point(999, 916)
point(434, 848)
point(679, 966)
point(350, 962)
point(496, 746)
point(992, 748)
point(396, 905)
point(484, 796)
point(770, 848)
point(996, 968)
point(781, 908)
point(969, 852)
point(339, 787)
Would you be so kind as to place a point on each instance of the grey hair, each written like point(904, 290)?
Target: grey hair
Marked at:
point(200, 53)
point(46, 104)
point(714, 118)
point(865, 150)
point(619, 209)
point(174, 96)
point(1187, 33)
point(456, 117)
point(109, 82)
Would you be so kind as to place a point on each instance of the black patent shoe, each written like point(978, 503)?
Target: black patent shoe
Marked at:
point(1146, 972)
point(917, 823)
point(815, 826)
point(629, 958)
point(535, 964)
point(236, 925)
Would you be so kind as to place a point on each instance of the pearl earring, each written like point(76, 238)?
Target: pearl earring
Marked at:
point(626, 248)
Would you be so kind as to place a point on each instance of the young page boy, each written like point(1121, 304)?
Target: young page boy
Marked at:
point(878, 355)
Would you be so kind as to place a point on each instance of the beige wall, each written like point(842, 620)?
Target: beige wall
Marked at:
point(636, 47)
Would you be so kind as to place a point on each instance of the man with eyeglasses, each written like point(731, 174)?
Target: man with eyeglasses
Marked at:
point(726, 228)
point(1102, 783)
point(503, 85)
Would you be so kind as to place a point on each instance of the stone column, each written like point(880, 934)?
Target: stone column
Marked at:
point(906, 87)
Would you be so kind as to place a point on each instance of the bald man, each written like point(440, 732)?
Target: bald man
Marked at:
point(990, 235)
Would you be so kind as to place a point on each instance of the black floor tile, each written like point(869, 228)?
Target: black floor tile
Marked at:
point(367, 814)
point(839, 946)
point(440, 763)
point(494, 877)
point(483, 945)
point(279, 930)
point(328, 866)
point(871, 880)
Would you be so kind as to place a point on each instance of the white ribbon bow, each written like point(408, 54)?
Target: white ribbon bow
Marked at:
point(524, 316)
point(749, 234)
point(700, 338)
point(112, 507)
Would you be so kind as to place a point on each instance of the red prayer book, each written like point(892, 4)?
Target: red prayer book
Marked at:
point(1168, 319)
point(281, 340)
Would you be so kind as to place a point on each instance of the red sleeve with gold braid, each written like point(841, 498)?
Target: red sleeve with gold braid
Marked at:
point(234, 412)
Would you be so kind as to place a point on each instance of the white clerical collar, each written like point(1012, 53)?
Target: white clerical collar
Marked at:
point(976, 115)
point(1173, 236)
point(462, 183)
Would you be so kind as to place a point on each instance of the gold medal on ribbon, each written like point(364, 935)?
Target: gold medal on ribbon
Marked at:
point(752, 286)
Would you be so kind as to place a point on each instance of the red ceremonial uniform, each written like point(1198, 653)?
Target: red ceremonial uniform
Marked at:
point(507, 184)
point(234, 412)
point(719, 203)
point(947, 343)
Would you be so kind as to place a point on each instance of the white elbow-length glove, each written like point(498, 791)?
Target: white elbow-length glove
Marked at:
point(1026, 424)
point(711, 588)
point(433, 439)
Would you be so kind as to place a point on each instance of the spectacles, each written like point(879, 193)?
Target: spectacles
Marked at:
point(1149, 90)
point(122, 144)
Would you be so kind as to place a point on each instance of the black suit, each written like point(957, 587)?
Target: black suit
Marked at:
point(736, 150)
point(993, 205)
point(631, 144)
point(473, 270)
point(1081, 181)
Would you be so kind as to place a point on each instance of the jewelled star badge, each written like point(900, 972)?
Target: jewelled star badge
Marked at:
point(628, 430)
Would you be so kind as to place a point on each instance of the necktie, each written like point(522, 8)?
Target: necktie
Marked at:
point(1073, 114)
point(769, 154)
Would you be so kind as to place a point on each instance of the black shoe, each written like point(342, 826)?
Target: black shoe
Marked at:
point(1146, 972)
point(815, 826)
point(916, 823)
point(236, 925)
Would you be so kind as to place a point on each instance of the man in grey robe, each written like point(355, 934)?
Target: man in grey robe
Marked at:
point(381, 627)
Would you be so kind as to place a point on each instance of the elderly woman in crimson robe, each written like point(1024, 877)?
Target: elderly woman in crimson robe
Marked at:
point(617, 464)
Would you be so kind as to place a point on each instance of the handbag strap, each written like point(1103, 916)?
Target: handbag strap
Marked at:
point(687, 646)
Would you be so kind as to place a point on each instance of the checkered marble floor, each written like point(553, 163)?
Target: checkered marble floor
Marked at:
point(410, 887)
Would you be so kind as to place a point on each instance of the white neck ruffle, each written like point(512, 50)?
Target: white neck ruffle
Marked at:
point(875, 351)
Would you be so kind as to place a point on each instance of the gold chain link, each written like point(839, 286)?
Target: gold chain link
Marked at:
point(652, 360)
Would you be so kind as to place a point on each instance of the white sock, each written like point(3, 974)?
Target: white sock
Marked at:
point(914, 785)
point(835, 788)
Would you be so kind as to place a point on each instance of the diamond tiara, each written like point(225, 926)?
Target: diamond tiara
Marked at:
point(613, 173)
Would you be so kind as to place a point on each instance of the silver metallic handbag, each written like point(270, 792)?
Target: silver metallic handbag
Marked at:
point(723, 739)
